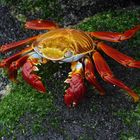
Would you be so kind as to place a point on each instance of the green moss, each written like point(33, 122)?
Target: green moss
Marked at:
point(23, 99)
point(131, 118)
point(44, 8)
point(112, 21)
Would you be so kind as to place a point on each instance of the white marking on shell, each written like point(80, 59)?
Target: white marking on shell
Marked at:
point(73, 58)
point(35, 55)
point(38, 52)
point(79, 66)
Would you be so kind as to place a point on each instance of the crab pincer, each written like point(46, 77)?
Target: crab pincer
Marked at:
point(75, 93)
point(31, 78)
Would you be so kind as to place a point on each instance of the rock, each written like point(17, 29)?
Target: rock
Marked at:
point(74, 11)
point(5, 91)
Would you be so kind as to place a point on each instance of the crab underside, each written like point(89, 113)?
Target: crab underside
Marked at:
point(81, 49)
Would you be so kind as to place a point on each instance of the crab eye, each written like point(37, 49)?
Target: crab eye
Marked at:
point(68, 53)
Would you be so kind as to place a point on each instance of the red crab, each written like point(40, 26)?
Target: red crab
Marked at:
point(81, 49)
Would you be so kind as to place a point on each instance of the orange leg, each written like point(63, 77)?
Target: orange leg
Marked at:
point(90, 75)
point(118, 56)
point(6, 62)
point(15, 65)
point(115, 37)
point(14, 45)
point(41, 25)
point(107, 75)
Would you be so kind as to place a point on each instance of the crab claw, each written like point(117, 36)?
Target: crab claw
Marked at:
point(76, 91)
point(32, 78)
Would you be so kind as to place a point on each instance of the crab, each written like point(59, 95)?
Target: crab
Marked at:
point(81, 49)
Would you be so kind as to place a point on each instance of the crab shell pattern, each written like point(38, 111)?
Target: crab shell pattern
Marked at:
point(81, 49)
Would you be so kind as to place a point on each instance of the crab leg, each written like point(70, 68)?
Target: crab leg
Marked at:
point(90, 75)
point(30, 77)
point(6, 62)
point(41, 25)
point(14, 66)
point(107, 75)
point(115, 37)
point(118, 56)
point(75, 93)
point(14, 45)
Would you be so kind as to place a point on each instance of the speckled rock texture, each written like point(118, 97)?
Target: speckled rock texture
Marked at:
point(73, 11)
point(10, 30)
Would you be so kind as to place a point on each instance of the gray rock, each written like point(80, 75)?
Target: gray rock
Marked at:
point(73, 11)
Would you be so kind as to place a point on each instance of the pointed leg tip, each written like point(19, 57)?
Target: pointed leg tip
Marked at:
point(134, 64)
point(102, 93)
point(1, 50)
point(42, 90)
point(136, 99)
point(2, 64)
point(13, 79)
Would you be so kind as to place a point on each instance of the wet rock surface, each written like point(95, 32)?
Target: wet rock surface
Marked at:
point(96, 118)
point(74, 11)
point(10, 31)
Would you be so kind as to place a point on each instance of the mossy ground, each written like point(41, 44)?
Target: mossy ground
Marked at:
point(43, 8)
point(25, 112)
